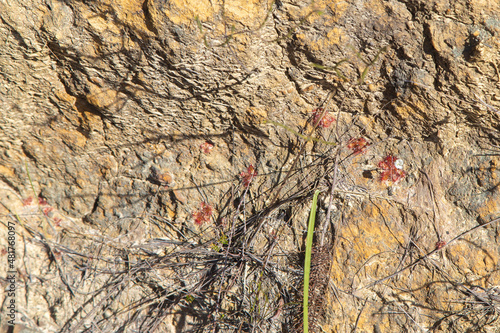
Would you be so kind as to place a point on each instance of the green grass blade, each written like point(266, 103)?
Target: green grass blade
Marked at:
point(307, 260)
point(365, 71)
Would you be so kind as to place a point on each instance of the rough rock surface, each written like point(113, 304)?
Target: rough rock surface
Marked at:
point(120, 117)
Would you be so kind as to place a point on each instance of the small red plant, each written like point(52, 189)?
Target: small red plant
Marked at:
point(57, 254)
point(28, 201)
point(206, 147)
point(203, 214)
point(47, 211)
point(440, 244)
point(42, 201)
point(248, 175)
point(357, 145)
point(57, 221)
point(390, 171)
point(324, 121)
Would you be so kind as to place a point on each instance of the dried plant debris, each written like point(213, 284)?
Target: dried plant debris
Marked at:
point(158, 159)
point(321, 262)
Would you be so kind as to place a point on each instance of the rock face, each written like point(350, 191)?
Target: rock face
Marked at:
point(159, 159)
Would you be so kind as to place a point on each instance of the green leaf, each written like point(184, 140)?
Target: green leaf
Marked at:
point(307, 260)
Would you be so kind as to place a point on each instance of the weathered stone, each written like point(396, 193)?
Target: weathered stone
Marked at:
point(105, 106)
